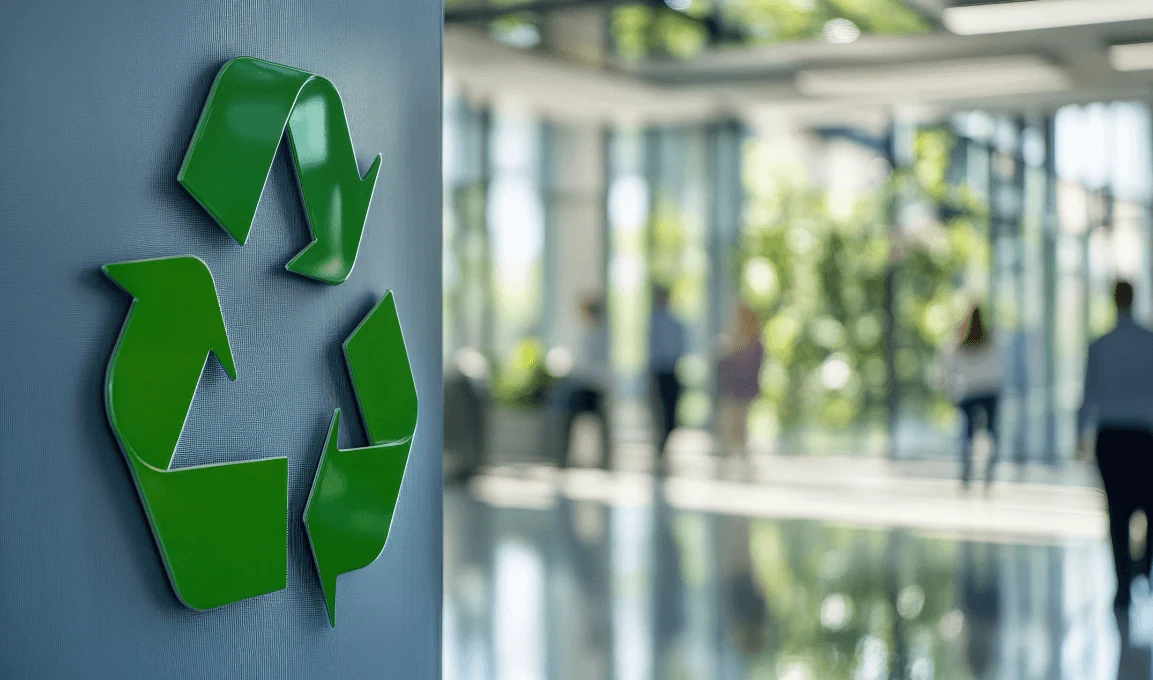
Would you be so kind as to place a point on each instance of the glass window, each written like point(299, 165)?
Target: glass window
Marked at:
point(516, 230)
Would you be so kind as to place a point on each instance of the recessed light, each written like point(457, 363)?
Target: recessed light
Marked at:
point(1132, 57)
point(1032, 15)
point(954, 79)
point(841, 31)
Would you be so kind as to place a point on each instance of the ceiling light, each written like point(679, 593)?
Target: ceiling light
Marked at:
point(1133, 57)
point(957, 79)
point(522, 36)
point(1032, 15)
point(841, 31)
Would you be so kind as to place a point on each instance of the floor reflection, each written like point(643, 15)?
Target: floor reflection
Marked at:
point(632, 591)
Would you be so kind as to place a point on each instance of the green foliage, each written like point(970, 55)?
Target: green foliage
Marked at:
point(944, 269)
point(630, 30)
point(779, 21)
point(520, 378)
point(849, 586)
point(775, 21)
point(641, 30)
point(883, 17)
point(819, 283)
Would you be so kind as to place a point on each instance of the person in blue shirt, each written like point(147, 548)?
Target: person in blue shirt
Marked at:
point(667, 344)
point(1118, 403)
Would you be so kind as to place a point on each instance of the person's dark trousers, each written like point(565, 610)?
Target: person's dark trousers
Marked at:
point(974, 409)
point(586, 400)
point(668, 394)
point(1124, 458)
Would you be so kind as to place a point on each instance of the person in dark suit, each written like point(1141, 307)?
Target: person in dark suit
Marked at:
point(668, 341)
point(1135, 659)
point(1118, 402)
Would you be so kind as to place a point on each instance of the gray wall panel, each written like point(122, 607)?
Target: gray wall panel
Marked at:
point(97, 104)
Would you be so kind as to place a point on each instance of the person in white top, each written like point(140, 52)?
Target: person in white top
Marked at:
point(974, 385)
point(585, 389)
point(1118, 403)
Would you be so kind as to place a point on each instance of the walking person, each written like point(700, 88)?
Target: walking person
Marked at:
point(584, 389)
point(743, 603)
point(667, 343)
point(1118, 402)
point(974, 384)
point(738, 383)
point(668, 590)
point(979, 599)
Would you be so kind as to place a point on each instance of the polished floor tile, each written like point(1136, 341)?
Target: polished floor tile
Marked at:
point(550, 579)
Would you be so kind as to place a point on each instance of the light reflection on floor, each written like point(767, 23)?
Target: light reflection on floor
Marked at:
point(592, 589)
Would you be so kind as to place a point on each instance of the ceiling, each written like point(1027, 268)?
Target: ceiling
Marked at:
point(812, 82)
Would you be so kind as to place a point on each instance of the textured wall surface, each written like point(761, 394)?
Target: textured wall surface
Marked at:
point(97, 105)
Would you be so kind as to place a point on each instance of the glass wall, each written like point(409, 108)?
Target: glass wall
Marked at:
point(813, 269)
point(629, 196)
point(658, 236)
point(1103, 168)
point(1033, 219)
point(836, 243)
point(677, 251)
point(516, 223)
point(860, 251)
point(466, 252)
point(496, 205)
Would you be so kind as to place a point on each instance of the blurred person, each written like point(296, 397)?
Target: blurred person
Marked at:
point(980, 601)
point(974, 384)
point(738, 382)
point(668, 589)
point(1118, 403)
point(745, 602)
point(584, 550)
point(668, 340)
point(584, 389)
point(1135, 659)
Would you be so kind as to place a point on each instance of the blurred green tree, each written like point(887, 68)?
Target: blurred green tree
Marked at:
point(818, 282)
point(640, 31)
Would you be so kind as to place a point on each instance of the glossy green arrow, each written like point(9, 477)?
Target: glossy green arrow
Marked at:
point(227, 163)
point(221, 529)
point(349, 511)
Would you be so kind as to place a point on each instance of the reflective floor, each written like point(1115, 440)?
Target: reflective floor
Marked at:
point(546, 577)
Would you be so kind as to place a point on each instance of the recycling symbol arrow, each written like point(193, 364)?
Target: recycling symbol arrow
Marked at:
point(250, 104)
point(222, 529)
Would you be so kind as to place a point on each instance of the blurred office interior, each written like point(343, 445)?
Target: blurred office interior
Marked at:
point(856, 175)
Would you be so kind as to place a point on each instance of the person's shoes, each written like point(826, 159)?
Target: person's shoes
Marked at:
point(1121, 602)
point(1121, 616)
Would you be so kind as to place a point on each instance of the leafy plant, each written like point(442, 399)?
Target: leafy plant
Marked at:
point(520, 379)
point(818, 281)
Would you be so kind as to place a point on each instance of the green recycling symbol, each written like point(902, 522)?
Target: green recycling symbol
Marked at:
point(222, 530)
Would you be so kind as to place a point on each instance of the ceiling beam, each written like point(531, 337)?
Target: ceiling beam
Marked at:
point(483, 12)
